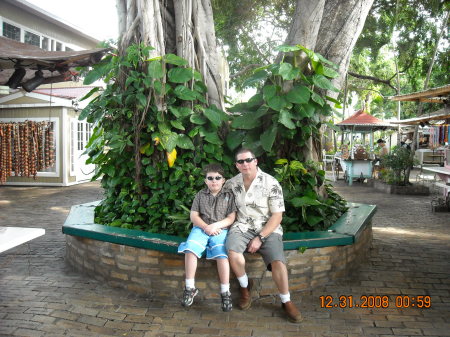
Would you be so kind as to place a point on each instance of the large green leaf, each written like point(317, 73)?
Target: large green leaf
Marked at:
point(285, 118)
point(246, 121)
point(269, 91)
point(287, 71)
point(268, 137)
point(174, 59)
point(177, 124)
point(323, 82)
point(185, 93)
point(304, 201)
point(198, 119)
point(277, 103)
point(180, 75)
point(316, 98)
point(215, 116)
point(234, 139)
point(314, 219)
point(184, 142)
point(256, 78)
point(299, 95)
point(98, 72)
point(155, 69)
point(213, 138)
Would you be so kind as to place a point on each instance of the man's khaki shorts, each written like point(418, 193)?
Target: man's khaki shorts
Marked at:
point(271, 249)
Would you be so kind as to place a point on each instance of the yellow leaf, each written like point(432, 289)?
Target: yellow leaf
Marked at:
point(171, 157)
point(144, 148)
point(157, 140)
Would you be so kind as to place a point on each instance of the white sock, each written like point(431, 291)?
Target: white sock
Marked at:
point(243, 281)
point(224, 288)
point(190, 283)
point(285, 297)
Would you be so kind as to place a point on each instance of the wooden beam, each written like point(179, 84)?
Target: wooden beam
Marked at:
point(415, 96)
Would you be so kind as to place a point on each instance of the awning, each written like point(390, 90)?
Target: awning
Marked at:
point(441, 114)
point(361, 121)
point(434, 95)
point(56, 66)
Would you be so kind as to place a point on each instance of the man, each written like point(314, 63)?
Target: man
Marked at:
point(260, 204)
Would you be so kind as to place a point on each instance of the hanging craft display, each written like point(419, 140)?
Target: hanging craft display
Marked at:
point(25, 148)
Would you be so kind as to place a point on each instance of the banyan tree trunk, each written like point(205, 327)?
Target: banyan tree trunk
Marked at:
point(184, 28)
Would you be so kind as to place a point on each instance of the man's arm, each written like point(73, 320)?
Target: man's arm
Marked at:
point(269, 227)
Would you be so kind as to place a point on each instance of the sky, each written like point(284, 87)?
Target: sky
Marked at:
point(97, 18)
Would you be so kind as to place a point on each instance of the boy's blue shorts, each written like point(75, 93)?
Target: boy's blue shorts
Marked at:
point(198, 241)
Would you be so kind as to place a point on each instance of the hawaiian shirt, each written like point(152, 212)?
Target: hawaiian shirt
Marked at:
point(213, 208)
point(256, 205)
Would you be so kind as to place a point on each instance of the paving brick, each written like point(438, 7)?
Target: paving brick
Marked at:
point(409, 256)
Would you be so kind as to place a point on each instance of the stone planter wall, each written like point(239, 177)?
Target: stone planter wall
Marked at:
point(148, 263)
point(415, 189)
point(159, 273)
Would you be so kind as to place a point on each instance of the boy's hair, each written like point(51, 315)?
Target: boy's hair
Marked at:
point(213, 168)
point(243, 150)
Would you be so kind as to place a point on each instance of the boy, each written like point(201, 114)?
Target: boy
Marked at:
point(212, 212)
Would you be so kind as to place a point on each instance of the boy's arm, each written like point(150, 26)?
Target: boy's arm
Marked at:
point(197, 221)
point(226, 222)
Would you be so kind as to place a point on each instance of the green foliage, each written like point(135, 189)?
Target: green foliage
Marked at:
point(306, 209)
point(396, 164)
point(135, 135)
point(288, 110)
point(154, 132)
point(277, 122)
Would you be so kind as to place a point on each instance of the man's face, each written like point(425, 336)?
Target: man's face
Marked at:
point(246, 163)
point(214, 181)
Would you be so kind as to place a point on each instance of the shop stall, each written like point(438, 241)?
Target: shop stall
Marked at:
point(356, 161)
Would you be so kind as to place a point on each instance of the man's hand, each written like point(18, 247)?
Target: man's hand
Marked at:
point(254, 245)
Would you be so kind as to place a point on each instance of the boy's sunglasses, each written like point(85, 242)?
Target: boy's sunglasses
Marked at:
point(216, 177)
point(248, 160)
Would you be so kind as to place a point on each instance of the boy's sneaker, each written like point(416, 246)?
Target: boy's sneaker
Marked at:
point(226, 301)
point(188, 296)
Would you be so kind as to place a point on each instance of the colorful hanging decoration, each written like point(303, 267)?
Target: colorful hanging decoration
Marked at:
point(25, 148)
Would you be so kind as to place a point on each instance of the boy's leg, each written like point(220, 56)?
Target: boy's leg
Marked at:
point(223, 269)
point(190, 265)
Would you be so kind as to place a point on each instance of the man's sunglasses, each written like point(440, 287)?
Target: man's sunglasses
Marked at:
point(248, 160)
point(216, 177)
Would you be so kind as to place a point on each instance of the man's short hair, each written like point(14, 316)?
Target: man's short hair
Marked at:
point(243, 150)
point(379, 141)
point(213, 168)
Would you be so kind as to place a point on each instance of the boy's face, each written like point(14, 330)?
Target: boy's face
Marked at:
point(214, 181)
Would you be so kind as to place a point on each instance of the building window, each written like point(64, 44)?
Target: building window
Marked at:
point(69, 49)
point(58, 46)
point(45, 43)
point(33, 39)
point(11, 32)
point(80, 136)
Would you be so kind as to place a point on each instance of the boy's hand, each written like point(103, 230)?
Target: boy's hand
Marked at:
point(212, 229)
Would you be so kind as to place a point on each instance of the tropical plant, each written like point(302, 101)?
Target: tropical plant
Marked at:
point(397, 163)
point(289, 110)
point(306, 210)
point(149, 154)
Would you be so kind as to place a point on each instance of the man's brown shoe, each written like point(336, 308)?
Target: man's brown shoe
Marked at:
point(292, 312)
point(246, 296)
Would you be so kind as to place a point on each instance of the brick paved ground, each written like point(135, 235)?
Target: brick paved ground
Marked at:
point(41, 296)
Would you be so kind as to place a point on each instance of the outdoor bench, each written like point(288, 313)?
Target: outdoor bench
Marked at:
point(148, 262)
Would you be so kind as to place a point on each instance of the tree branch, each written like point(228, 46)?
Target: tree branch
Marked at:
point(243, 71)
point(371, 78)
